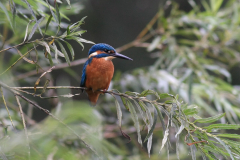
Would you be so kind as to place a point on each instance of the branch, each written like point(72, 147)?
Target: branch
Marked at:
point(48, 113)
point(60, 66)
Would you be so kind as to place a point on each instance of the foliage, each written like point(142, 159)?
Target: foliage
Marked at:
point(193, 52)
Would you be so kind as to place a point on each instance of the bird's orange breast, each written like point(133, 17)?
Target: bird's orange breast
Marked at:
point(99, 74)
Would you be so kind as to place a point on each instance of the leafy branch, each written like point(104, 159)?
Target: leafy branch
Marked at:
point(203, 138)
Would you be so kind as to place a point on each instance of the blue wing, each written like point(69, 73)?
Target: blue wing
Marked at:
point(84, 75)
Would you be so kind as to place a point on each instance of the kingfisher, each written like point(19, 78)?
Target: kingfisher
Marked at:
point(98, 70)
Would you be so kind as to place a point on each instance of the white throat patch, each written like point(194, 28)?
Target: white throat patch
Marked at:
point(93, 54)
point(109, 58)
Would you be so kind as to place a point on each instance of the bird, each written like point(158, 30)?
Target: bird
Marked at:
point(98, 70)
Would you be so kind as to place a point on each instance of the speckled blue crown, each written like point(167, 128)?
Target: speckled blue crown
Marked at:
point(100, 47)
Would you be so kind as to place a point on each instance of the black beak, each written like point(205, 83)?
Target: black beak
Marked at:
point(118, 55)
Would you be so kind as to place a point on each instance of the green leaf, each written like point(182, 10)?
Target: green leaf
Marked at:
point(31, 10)
point(166, 95)
point(14, 11)
point(64, 52)
point(6, 13)
point(48, 21)
point(135, 120)
point(229, 136)
point(222, 126)
point(76, 39)
point(190, 111)
point(43, 43)
point(216, 4)
point(225, 146)
point(58, 13)
point(124, 102)
point(70, 49)
point(210, 119)
point(153, 126)
point(141, 109)
point(53, 14)
point(68, 1)
point(149, 92)
point(68, 30)
point(119, 112)
point(35, 27)
point(26, 33)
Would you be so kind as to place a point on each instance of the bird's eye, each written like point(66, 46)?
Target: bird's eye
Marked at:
point(109, 52)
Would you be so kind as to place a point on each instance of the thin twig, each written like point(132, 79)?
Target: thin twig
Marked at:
point(48, 113)
point(83, 60)
point(17, 61)
point(6, 105)
point(60, 66)
point(24, 125)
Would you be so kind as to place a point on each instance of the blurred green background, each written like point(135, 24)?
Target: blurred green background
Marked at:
point(189, 48)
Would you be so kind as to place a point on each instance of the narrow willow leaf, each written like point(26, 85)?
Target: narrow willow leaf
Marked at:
point(222, 126)
point(43, 74)
point(68, 30)
point(76, 39)
point(77, 33)
point(180, 130)
point(26, 33)
point(45, 86)
point(6, 13)
point(135, 120)
point(77, 24)
point(231, 142)
point(164, 139)
point(68, 1)
point(124, 102)
point(225, 146)
point(168, 102)
point(48, 21)
point(43, 43)
point(27, 60)
point(119, 112)
point(132, 93)
point(216, 4)
point(35, 28)
point(161, 119)
point(166, 95)
point(58, 13)
point(64, 52)
point(153, 126)
point(85, 41)
point(31, 10)
point(70, 49)
point(193, 151)
point(190, 111)
point(52, 12)
point(141, 110)
point(210, 119)
point(5, 104)
point(229, 135)
point(149, 92)
point(149, 125)
point(57, 52)
point(14, 11)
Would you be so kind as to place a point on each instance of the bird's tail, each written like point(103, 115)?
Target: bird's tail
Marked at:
point(93, 97)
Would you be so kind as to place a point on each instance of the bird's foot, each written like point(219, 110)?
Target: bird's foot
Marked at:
point(103, 91)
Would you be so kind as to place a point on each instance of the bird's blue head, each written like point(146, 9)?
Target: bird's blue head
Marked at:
point(104, 50)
